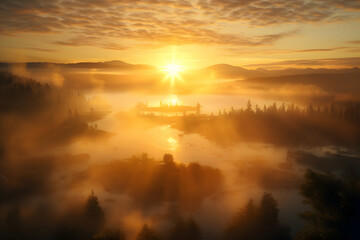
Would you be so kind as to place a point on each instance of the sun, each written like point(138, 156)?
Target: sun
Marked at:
point(173, 70)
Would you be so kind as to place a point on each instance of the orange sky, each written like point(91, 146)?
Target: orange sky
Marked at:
point(193, 33)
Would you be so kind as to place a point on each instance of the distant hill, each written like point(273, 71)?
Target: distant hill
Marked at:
point(307, 71)
point(230, 71)
point(226, 71)
point(119, 75)
point(214, 72)
point(347, 81)
point(221, 71)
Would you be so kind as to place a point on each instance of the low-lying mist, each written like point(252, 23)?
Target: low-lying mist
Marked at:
point(317, 86)
point(80, 160)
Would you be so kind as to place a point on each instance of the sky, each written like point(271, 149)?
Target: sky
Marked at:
point(193, 33)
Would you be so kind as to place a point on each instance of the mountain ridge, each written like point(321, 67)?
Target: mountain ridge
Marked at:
point(216, 71)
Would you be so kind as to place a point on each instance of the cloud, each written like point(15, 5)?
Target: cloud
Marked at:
point(319, 50)
point(269, 51)
point(35, 49)
point(334, 62)
point(348, 4)
point(110, 23)
point(90, 41)
point(354, 42)
point(263, 13)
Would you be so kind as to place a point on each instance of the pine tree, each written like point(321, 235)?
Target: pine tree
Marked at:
point(94, 214)
point(147, 233)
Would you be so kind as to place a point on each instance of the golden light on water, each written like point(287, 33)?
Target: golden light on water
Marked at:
point(174, 116)
point(173, 144)
point(172, 140)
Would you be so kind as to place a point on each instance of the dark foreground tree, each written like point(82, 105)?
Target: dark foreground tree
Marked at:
point(14, 228)
point(94, 215)
point(84, 224)
point(258, 222)
point(147, 233)
point(109, 235)
point(335, 208)
point(185, 229)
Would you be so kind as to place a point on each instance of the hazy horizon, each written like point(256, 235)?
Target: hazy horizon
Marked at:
point(179, 119)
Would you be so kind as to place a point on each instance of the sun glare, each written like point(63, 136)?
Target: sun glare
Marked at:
point(172, 70)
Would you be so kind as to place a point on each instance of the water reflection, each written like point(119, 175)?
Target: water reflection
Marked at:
point(211, 102)
point(249, 168)
point(246, 165)
point(173, 144)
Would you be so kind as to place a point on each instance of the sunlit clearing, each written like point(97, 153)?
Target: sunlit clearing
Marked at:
point(172, 70)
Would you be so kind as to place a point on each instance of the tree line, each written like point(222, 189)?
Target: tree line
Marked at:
point(347, 110)
point(334, 214)
point(285, 125)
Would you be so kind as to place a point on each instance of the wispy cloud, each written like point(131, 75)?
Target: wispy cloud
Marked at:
point(90, 41)
point(109, 23)
point(333, 62)
point(263, 13)
point(354, 42)
point(320, 49)
point(270, 51)
point(35, 49)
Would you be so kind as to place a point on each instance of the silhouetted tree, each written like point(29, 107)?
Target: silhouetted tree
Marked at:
point(248, 106)
point(94, 215)
point(14, 225)
point(185, 229)
point(335, 208)
point(282, 108)
point(85, 224)
point(268, 209)
point(147, 233)
point(168, 159)
point(257, 222)
point(109, 235)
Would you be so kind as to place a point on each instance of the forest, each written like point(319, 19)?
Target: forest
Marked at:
point(179, 120)
point(68, 115)
point(285, 125)
point(47, 191)
point(333, 214)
